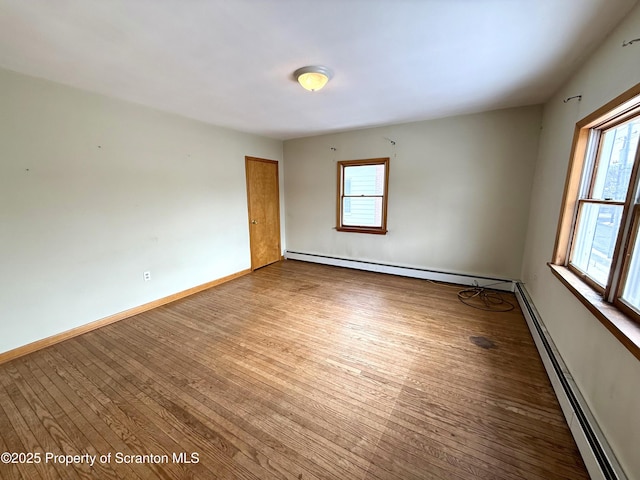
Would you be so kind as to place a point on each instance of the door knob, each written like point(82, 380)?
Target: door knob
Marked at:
point(254, 222)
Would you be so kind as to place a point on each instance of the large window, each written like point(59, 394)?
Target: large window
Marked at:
point(362, 195)
point(601, 204)
point(598, 235)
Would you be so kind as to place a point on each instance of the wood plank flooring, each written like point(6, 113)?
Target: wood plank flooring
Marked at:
point(296, 371)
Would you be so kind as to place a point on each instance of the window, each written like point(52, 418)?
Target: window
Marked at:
point(598, 235)
point(602, 197)
point(362, 195)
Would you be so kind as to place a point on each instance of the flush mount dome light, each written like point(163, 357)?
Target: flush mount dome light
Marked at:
point(312, 78)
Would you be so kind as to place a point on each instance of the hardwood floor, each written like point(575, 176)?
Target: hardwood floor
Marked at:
point(295, 371)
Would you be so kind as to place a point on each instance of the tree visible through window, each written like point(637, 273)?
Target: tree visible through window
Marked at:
point(362, 195)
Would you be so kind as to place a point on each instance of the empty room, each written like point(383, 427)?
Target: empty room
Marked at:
point(278, 239)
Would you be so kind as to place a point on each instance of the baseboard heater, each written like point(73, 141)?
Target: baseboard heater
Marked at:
point(594, 448)
point(598, 457)
point(425, 274)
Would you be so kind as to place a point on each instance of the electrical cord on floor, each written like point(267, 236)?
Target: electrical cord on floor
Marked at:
point(479, 297)
point(483, 299)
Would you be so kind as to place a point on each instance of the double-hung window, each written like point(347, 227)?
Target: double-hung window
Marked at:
point(362, 195)
point(599, 236)
point(605, 186)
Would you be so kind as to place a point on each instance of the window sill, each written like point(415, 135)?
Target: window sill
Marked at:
point(620, 325)
point(377, 231)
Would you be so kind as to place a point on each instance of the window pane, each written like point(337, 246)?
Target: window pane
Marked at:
point(347, 191)
point(631, 293)
point(364, 180)
point(363, 212)
point(617, 154)
point(595, 239)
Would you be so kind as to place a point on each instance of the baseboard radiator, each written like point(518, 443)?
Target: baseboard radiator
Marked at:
point(425, 274)
point(594, 448)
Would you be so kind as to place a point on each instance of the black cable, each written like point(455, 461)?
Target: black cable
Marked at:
point(483, 299)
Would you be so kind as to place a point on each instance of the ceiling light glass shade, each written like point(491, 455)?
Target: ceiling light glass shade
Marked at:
point(312, 78)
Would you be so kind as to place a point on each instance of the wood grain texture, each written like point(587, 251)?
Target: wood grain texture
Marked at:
point(74, 332)
point(263, 199)
point(296, 371)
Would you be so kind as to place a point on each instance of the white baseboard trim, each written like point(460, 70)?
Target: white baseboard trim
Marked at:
point(594, 448)
point(437, 276)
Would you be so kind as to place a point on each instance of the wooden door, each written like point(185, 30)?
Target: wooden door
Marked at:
point(263, 196)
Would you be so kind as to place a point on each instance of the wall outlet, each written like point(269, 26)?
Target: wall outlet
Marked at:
point(146, 276)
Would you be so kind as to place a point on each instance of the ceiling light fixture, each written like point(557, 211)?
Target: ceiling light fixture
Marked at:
point(312, 78)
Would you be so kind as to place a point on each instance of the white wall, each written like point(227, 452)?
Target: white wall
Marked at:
point(459, 192)
point(607, 374)
point(94, 191)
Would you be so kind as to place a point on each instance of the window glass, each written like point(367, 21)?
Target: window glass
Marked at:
point(364, 180)
point(631, 291)
point(362, 195)
point(347, 191)
point(363, 212)
point(595, 239)
point(615, 161)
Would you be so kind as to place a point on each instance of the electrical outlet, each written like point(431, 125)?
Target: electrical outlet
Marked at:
point(146, 276)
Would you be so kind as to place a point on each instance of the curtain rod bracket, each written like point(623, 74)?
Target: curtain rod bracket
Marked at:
point(579, 97)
